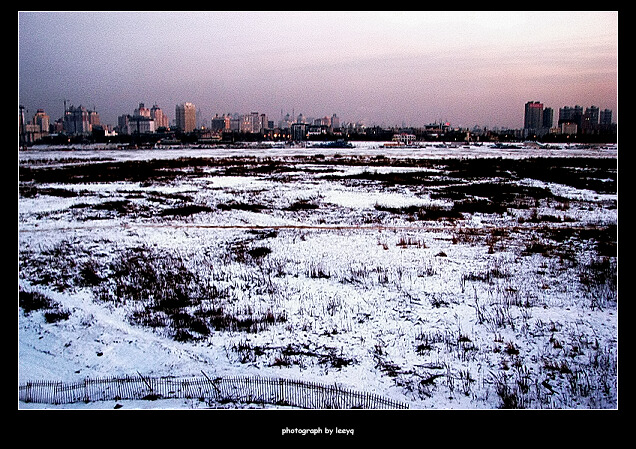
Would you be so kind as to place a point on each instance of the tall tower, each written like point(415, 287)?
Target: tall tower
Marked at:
point(335, 121)
point(571, 115)
point(185, 115)
point(533, 118)
point(590, 119)
point(160, 118)
point(548, 118)
point(605, 117)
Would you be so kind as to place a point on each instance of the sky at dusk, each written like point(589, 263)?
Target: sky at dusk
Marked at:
point(380, 67)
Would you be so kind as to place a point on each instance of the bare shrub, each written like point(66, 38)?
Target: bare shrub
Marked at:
point(185, 210)
point(32, 301)
point(35, 301)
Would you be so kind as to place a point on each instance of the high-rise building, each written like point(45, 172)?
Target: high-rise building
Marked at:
point(605, 117)
point(160, 117)
point(323, 121)
point(42, 120)
point(32, 132)
point(122, 123)
point(80, 120)
point(140, 124)
point(142, 121)
point(220, 124)
point(142, 111)
point(299, 131)
point(548, 118)
point(256, 122)
point(533, 118)
point(185, 116)
point(235, 122)
point(605, 121)
point(571, 115)
point(246, 124)
point(590, 119)
point(335, 121)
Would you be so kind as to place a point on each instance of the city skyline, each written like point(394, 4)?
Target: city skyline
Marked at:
point(382, 68)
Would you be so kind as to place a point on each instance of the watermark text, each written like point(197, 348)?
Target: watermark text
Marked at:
point(317, 431)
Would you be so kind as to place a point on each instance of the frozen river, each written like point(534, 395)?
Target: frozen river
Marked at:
point(427, 150)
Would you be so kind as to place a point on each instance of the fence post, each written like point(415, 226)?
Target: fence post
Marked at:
point(27, 392)
point(283, 387)
point(58, 389)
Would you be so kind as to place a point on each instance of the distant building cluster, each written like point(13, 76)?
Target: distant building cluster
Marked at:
point(82, 122)
point(143, 120)
point(154, 123)
point(76, 121)
point(539, 121)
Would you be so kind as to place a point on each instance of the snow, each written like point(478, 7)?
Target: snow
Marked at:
point(374, 149)
point(367, 285)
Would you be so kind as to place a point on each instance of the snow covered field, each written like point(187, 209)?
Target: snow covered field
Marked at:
point(469, 277)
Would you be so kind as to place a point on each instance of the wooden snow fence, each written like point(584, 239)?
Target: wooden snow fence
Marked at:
point(237, 389)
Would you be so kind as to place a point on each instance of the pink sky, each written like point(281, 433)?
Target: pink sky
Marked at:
point(386, 68)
